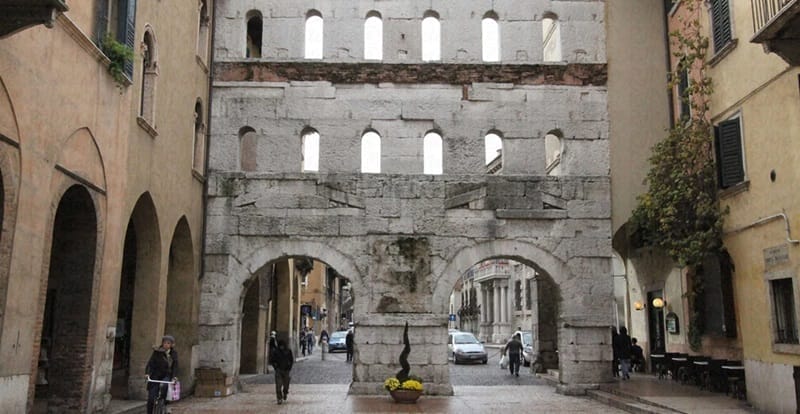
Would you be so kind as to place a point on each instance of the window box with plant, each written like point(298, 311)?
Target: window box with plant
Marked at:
point(119, 54)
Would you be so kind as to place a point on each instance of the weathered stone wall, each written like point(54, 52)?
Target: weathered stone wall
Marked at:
point(582, 29)
point(402, 238)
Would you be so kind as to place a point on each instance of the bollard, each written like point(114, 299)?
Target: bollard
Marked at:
point(324, 348)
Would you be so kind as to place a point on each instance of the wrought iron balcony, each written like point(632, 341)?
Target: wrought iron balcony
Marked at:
point(16, 15)
point(776, 24)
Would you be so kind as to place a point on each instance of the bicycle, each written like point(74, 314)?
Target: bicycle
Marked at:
point(160, 404)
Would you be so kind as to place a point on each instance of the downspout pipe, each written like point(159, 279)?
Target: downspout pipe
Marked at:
point(207, 137)
point(765, 220)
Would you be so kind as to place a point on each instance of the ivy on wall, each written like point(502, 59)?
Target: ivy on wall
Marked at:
point(680, 211)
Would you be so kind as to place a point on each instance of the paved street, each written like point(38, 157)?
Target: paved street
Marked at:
point(334, 370)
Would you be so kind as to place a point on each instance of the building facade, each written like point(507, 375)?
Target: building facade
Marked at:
point(102, 185)
point(318, 149)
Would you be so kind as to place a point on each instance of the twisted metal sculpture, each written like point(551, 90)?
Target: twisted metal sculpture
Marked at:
point(402, 376)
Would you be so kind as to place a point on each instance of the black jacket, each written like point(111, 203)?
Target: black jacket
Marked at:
point(162, 365)
point(622, 347)
point(513, 347)
point(281, 358)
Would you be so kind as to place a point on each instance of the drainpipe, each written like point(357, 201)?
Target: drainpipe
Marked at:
point(207, 136)
point(767, 220)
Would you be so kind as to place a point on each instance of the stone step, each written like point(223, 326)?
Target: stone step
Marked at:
point(627, 404)
point(611, 389)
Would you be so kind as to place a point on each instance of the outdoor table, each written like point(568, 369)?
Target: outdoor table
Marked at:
point(657, 364)
point(736, 383)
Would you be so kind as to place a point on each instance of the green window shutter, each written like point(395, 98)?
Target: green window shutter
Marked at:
point(126, 29)
point(721, 23)
point(730, 161)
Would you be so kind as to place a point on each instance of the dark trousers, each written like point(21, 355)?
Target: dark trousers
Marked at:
point(513, 363)
point(282, 378)
point(349, 353)
point(152, 393)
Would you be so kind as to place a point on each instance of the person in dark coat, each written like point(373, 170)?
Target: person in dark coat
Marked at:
point(310, 341)
point(615, 350)
point(282, 359)
point(348, 342)
point(303, 341)
point(162, 366)
point(637, 356)
point(624, 349)
point(514, 351)
point(323, 337)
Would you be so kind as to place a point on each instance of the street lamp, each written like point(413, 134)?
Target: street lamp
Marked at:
point(658, 303)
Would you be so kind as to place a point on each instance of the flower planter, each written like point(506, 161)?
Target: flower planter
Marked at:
point(405, 396)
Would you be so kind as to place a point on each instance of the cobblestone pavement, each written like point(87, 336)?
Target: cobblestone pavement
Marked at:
point(334, 370)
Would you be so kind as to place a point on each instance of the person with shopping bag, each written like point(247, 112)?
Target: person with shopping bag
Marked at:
point(162, 366)
point(513, 351)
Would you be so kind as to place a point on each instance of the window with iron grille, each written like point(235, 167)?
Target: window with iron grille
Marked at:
point(730, 155)
point(530, 283)
point(721, 23)
point(783, 311)
point(518, 295)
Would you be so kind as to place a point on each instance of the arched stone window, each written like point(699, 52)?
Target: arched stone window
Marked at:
point(493, 142)
point(147, 105)
point(431, 37)
point(199, 138)
point(373, 36)
point(551, 38)
point(553, 149)
point(432, 153)
point(490, 30)
point(255, 33)
point(371, 152)
point(310, 146)
point(314, 38)
point(248, 149)
point(202, 32)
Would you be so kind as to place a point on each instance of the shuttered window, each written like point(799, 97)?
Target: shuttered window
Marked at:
point(721, 23)
point(730, 158)
point(683, 85)
point(127, 29)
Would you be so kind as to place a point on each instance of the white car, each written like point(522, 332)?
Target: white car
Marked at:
point(464, 347)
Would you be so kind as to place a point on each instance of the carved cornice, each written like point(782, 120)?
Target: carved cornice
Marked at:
point(16, 15)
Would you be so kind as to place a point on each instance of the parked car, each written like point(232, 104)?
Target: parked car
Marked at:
point(527, 347)
point(464, 347)
point(336, 342)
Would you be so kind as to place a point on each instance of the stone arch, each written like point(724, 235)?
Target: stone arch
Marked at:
point(490, 37)
point(9, 127)
point(248, 149)
point(182, 293)
point(139, 312)
point(80, 156)
point(431, 47)
point(220, 316)
point(254, 32)
point(68, 300)
point(522, 252)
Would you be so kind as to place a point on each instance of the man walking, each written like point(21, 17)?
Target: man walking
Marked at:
point(282, 360)
point(348, 342)
point(514, 351)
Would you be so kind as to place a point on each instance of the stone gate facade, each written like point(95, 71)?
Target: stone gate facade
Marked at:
point(404, 238)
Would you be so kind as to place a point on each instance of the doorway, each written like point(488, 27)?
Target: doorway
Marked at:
point(655, 323)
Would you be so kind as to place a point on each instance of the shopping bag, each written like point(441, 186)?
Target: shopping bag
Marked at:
point(504, 362)
point(174, 391)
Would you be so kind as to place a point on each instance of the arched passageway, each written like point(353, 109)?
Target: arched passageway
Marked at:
point(64, 357)
point(182, 293)
point(138, 307)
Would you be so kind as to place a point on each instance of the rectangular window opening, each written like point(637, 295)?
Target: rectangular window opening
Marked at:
point(782, 291)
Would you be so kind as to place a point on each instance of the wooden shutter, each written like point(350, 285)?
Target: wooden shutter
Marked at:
point(686, 110)
point(127, 29)
point(721, 23)
point(730, 162)
point(100, 21)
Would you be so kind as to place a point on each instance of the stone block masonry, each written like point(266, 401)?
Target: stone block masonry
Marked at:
point(402, 238)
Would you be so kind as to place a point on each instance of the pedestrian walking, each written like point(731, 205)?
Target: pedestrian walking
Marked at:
point(514, 351)
point(624, 342)
point(282, 360)
point(348, 342)
point(162, 366)
point(323, 337)
point(272, 345)
point(637, 356)
point(310, 341)
point(303, 341)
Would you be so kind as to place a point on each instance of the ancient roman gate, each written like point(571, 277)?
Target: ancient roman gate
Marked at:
point(289, 70)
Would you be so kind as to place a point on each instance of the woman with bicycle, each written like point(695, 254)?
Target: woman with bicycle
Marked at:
point(162, 367)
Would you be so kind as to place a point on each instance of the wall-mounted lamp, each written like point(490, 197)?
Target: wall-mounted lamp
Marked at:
point(658, 303)
point(638, 305)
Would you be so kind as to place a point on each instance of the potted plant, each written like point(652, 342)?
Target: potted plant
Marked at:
point(404, 388)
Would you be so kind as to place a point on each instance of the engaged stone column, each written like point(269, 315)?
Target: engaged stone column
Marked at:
point(504, 303)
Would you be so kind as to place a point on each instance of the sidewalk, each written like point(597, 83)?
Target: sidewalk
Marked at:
point(667, 396)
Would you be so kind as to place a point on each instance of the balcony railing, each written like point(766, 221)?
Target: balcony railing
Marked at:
point(776, 24)
point(493, 269)
point(766, 10)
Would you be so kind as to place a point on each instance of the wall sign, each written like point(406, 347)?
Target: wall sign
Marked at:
point(672, 323)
